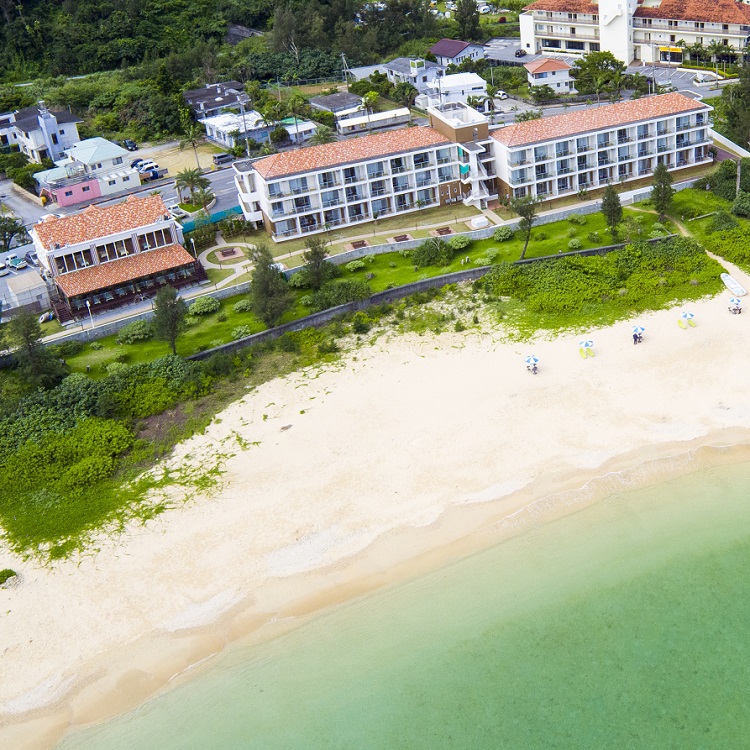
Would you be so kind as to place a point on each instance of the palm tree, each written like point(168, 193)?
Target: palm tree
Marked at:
point(715, 49)
point(369, 100)
point(203, 197)
point(323, 134)
point(617, 82)
point(191, 180)
point(600, 84)
point(295, 106)
point(192, 133)
point(474, 101)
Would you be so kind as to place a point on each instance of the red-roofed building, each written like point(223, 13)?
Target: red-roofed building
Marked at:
point(106, 257)
point(552, 72)
point(594, 147)
point(649, 30)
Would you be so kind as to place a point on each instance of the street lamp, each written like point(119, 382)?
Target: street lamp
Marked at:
point(192, 240)
point(243, 99)
point(88, 305)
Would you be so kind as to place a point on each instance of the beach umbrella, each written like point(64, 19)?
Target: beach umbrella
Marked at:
point(687, 316)
point(587, 344)
point(735, 301)
point(530, 359)
point(638, 329)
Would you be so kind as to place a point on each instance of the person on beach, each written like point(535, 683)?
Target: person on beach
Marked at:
point(636, 337)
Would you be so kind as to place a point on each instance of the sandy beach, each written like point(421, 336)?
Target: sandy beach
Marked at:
point(339, 479)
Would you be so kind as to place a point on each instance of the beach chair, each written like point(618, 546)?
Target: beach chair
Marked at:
point(682, 324)
point(691, 322)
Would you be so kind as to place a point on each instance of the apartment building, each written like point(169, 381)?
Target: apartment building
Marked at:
point(106, 257)
point(385, 174)
point(457, 87)
point(649, 31)
point(560, 155)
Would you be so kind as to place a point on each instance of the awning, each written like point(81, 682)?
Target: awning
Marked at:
point(675, 50)
point(123, 270)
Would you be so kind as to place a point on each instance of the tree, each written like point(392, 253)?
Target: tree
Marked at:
point(405, 94)
point(467, 18)
point(596, 64)
point(529, 114)
point(192, 133)
point(191, 180)
point(318, 269)
point(369, 100)
point(295, 107)
point(662, 191)
point(269, 294)
point(323, 134)
point(38, 366)
point(10, 228)
point(526, 207)
point(541, 94)
point(203, 197)
point(169, 316)
point(611, 209)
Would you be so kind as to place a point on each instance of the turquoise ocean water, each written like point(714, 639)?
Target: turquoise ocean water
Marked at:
point(625, 625)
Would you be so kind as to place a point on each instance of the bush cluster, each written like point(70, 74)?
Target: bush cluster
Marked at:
point(354, 265)
point(503, 234)
point(138, 330)
point(459, 242)
point(204, 306)
point(334, 293)
point(721, 221)
point(244, 305)
point(577, 219)
point(433, 252)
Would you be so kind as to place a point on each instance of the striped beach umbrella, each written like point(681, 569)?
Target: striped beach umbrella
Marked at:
point(735, 301)
point(687, 316)
point(530, 359)
point(587, 344)
point(638, 329)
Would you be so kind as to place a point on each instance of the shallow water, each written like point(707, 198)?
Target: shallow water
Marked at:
point(622, 625)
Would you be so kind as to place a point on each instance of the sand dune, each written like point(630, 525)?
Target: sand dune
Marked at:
point(402, 448)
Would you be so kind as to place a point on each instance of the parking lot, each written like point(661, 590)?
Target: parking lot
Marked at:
point(503, 51)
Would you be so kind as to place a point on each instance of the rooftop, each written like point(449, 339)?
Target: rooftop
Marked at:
point(107, 275)
point(450, 47)
point(95, 150)
point(403, 65)
point(546, 65)
point(95, 222)
point(566, 6)
point(27, 119)
point(213, 95)
point(715, 11)
point(455, 80)
point(336, 102)
point(346, 152)
point(596, 118)
point(230, 121)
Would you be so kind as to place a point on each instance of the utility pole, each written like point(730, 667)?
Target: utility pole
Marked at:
point(739, 173)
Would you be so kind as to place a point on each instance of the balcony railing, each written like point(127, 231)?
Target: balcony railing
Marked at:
point(398, 170)
point(328, 184)
point(564, 170)
point(625, 139)
point(604, 144)
point(684, 126)
point(684, 144)
point(604, 162)
point(645, 171)
point(562, 153)
point(355, 197)
point(519, 163)
point(541, 156)
point(360, 217)
point(645, 152)
point(400, 188)
point(682, 162)
point(424, 183)
point(422, 164)
point(585, 165)
point(300, 190)
point(583, 149)
point(662, 149)
point(644, 136)
point(311, 228)
point(664, 131)
point(350, 180)
point(378, 191)
point(375, 175)
point(445, 160)
point(543, 175)
point(624, 157)
point(332, 202)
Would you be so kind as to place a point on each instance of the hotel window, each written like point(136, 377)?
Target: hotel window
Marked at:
point(725, 27)
point(158, 238)
point(111, 182)
point(126, 178)
point(86, 189)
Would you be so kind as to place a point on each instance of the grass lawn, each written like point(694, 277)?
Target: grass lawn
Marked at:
point(215, 275)
point(191, 208)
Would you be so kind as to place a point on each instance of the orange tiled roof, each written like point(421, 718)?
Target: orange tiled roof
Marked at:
point(546, 65)
point(94, 222)
point(715, 11)
point(123, 270)
point(347, 152)
point(566, 6)
point(596, 118)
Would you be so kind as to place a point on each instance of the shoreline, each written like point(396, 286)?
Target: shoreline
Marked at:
point(469, 507)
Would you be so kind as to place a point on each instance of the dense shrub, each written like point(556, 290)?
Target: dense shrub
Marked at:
point(287, 343)
point(574, 244)
point(67, 349)
point(503, 234)
point(335, 293)
point(741, 205)
point(300, 279)
point(138, 330)
point(433, 252)
point(244, 305)
point(5, 575)
point(204, 306)
point(594, 237)
point(721, 221)
point(240, 332)
point(459, 242)
point(577, 219)
point(361, 323)
point(355, 265)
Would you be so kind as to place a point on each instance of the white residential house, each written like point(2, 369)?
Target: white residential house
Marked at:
point(417, 72)
point(39, 133)
point(90, 169)
point(552, 72)
point(225, 129)
point(454, 52)
point(457, 87)
point(647, 31)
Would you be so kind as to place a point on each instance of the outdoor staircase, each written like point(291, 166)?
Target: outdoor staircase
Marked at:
point(62, 313)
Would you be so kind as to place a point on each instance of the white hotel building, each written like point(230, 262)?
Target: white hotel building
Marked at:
point(458, 158)
point(648, 31)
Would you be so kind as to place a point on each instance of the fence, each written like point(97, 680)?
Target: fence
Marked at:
point(190, 224)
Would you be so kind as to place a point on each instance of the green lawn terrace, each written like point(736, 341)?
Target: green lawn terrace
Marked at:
point(381, 272)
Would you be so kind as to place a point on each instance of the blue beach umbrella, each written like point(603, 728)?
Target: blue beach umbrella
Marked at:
point(638, 329)
point(530, 359)
point(687, 316)
point(735, 301)
point(587, 344)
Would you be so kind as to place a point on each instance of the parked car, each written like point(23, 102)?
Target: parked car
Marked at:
point(130, 144)
point(521, 52)
point(32, 259)
point(667, 88)
point(15, 263)
point(4, 271)
point(501, 95)
point(220, 159)
point(147, 166)
point(484, 9)
point(177, 212)
point(136, 162)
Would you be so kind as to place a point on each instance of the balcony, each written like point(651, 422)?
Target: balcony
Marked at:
point(662, 149)
point(541, 157)
point(375, 175)
point(644, 136)
point(665, 131)
point(300, 190)
point(564, 170)
point(276, 214)
point(350, 180)
point(645, 152)
point(645, 171)
point(624, 139)
point(604, 162)
point(543, 175)
point(563, 153)
point(425, 183)
point(583, 149)
point(311, 228)
point(603, 144)
point(422, 164)
point(585, 165)
point(377, 192)
point(685, 144)
point(398, 170)
point(518, 163)
point(327, 184)
point(332, 202)
point(684, 126)
point(360, 217)
point(682, 162)
point(445, 160)
point(286, 233)
point(624, 157)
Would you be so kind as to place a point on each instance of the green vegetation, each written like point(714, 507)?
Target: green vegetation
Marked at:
point(575, 291)
point(5, 575)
